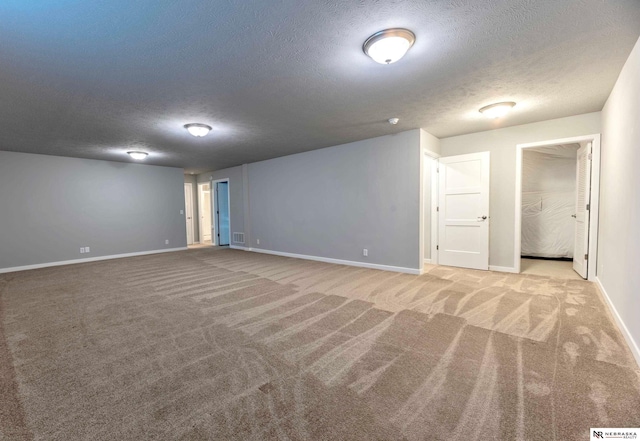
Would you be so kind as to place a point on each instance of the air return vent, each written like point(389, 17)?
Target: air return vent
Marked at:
point(238, 237)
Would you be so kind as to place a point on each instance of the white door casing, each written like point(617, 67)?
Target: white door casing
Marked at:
point(188, 212)
point(463, 233)
point(583, 200)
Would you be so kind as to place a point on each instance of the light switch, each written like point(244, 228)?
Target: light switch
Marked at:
point(181, 211)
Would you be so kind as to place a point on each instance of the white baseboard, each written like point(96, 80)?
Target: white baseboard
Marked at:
point(427, 261)
point(238, 247)
point(85, 260)
point(503, 269)
point(623, 328)
point(398, 269)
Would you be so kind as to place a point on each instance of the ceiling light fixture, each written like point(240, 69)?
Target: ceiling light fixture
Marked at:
point(198, 130)
point(497, 110)
point(388, 46)
point(394, 121)
point(138, 155)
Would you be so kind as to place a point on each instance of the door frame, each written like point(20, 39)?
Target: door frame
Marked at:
point(214, 212)
point(594, 208)
point(200, 230)
point(186, 214)
point(434, 208)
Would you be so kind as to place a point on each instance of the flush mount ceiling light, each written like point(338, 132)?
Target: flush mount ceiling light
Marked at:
point(138, 155)
point(393, 121)
point(497, 110)
point(198, 130)
point(388, 46)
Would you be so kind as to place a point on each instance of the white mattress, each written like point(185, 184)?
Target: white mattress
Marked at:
point(548, 201)
point(547, 225)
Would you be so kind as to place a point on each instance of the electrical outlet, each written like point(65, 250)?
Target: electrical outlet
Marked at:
point(257, 241)
point(81, 250)
point(166, 241)
point(87, 249)
point(365, 252)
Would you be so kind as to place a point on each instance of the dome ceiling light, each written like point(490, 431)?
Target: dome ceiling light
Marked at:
point(198, 130)
point(138, 155)
point(497, 110)
point(388, 46)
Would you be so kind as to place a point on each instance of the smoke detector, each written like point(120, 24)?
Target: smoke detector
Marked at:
point(394, 121)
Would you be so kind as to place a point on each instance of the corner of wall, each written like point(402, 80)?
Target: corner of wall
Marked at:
point(619, 235)
point(428, 142)
point(626, 333)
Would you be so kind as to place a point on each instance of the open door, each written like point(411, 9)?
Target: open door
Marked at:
point(583, 199)
point(463, 234)
point(188, 205)
point(222, 213)
point(204, 209)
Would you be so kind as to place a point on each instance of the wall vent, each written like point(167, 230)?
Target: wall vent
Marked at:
point(238, 237)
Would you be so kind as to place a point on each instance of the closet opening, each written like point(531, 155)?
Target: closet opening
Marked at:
point(548, 210)
point(557, 207)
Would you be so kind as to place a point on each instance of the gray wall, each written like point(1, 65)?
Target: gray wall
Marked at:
point(619, 233)
point(191, 179)
point(336, 201)
point(502, 145)
point(51, 206)
point(430, 143)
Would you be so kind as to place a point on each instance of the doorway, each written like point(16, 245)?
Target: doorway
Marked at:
point(429, 228)
point(222, 216)
point(548, 210)
point(557, 185)
point(204, 211)
point(188, 211)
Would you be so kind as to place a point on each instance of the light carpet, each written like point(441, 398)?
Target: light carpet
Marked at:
point(231, 345)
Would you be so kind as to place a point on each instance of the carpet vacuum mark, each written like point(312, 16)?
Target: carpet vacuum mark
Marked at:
point(225, 344)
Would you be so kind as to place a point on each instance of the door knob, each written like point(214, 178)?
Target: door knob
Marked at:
point(483, 218)
point(573, 216)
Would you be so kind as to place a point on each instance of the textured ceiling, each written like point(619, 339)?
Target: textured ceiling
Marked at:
point(94, 79)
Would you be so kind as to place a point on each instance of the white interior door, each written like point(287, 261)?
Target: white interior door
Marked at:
point(583, 198)
point(463, 233)
point(204, 209)
point(188, 205)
